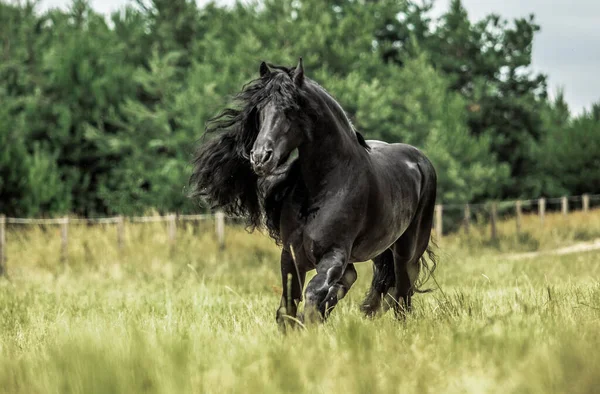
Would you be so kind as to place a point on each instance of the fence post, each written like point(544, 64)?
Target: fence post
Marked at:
point(586, 202)
point(494, 233)
point(2, 245)
point(120, 231)
point(467, 218)
point(438, 220)
point(564, 205)
point(64, 239)
point(519, 214)
point(220, 228)
point(172, 227)
point(542, 209)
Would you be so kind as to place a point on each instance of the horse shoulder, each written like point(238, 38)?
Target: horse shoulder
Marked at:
point(335, 222)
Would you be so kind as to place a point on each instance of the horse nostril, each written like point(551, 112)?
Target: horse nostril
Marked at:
point(261, 157)
point(267, 157)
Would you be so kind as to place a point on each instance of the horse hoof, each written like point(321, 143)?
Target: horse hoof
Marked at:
point(286, 322)
point(312, 316)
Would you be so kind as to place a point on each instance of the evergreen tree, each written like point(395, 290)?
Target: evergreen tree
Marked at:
point(101, 118)
point(153, 145)
point(567, 157)
point(488, 63)
point(414, 105)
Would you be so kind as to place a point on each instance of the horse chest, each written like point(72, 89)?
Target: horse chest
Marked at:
point(311, 245)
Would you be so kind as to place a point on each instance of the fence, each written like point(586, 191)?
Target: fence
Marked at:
point(462, 214)
point(464, 218)
point(118, 221)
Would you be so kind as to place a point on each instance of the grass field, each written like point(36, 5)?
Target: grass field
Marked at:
point(191, 318)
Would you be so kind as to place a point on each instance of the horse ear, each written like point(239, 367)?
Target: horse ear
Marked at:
point(264, 69)
point(299, 73)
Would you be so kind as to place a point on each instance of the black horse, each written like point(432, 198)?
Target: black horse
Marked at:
point(341, 200)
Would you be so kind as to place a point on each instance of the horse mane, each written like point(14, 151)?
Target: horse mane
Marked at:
point(222, 174)
point(339, 112)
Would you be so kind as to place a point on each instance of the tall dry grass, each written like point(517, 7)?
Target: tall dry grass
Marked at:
point(161, 318)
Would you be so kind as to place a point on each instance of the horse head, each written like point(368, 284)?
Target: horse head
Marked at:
point(282, 121)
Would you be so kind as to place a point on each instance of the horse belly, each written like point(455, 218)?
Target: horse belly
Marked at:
point(372, 245)
point(389, 217)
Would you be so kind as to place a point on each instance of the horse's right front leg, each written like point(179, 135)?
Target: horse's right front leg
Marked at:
point(332, 282)
point(292, 279)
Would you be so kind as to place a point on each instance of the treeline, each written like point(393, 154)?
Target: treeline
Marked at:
point(100, 115)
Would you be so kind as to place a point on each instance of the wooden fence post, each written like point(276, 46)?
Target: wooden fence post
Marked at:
point(542, 209)
point(438, 220)
point(467, 218)
point(120, 232)
point(2, 245)
point(64, 239)
point(494, 233)
point(172, 227)
point(519, 213)
point(586, 202)
point(220, 228)
point(564, 206)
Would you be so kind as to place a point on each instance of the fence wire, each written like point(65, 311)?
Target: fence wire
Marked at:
point(477, 219)
point(551, 204)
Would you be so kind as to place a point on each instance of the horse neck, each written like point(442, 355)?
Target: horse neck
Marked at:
point(331, 152)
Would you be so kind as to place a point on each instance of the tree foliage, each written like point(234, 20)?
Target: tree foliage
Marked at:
point(100, 114)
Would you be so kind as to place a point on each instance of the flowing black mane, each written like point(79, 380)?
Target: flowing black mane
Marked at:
point(222, 173)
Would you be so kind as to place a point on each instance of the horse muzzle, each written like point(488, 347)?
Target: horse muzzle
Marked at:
point(262, 161)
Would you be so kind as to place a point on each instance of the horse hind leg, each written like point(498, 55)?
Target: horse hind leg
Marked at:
point(409, 249)
point(383, 281)
point(408, 254)
point(407, 272)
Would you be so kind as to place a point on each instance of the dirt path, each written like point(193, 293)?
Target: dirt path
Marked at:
point(579, 247)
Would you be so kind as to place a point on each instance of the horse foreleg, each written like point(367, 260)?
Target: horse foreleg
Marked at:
point(334, 278)
point(292, 279)
point(340, 289)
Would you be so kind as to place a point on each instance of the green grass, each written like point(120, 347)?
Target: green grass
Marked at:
point(189, 318)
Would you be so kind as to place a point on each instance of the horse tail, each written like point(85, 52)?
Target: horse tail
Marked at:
point(426, 268)
point(429, 195)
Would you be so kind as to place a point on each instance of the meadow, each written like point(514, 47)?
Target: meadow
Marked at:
point(160, 318)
